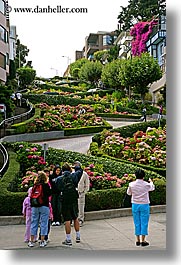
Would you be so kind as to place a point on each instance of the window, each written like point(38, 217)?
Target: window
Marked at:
point(2, 34)
point(2, 61)
point(2, 7)
point(107, 40)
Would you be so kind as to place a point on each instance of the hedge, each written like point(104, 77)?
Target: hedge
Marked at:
point(11, 202)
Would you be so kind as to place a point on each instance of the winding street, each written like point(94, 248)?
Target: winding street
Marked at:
point(79, 144)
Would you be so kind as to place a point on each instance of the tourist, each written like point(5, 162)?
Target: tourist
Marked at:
point(139, 191)
point(67, 184)
point(83, 187)
point(56, 197)
point(40, 213)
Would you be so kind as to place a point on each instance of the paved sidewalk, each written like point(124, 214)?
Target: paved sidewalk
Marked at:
point(106, 234)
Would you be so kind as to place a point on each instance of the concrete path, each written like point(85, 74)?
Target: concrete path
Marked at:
point(106, 234)
point(79, 144)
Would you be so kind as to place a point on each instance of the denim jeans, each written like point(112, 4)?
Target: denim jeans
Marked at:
point(39, 215)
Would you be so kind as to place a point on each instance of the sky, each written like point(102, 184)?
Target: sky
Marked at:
point(42, 32)
point(49, 36)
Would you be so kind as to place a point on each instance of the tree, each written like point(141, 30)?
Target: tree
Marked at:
point(5, 93)
point(26, 76)
point(91, 71)
point(140, 10)
point(21, 53)
point(101, 56)
point(110, 74)
point(77, 65)
point(140, 72)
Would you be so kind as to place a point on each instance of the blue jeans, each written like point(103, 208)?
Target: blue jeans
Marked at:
point(141, 214)
point(39, 214)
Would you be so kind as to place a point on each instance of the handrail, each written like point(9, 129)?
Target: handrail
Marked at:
point(17, 116)
point(5, 159)
point(12, 119)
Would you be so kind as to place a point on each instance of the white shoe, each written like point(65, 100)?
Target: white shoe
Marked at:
point(43, 244)
point(30, 244)
point(53, 224)
point(57, 223)
point(81, 223)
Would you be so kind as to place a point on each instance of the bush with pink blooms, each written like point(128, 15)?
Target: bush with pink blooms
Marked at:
point(147, 148)
point(100, 180)
point(140, 33)
point(63, 116)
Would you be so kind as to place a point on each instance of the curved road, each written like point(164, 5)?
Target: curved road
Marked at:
point(79, 144)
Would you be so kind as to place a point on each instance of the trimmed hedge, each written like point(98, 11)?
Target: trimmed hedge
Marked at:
point(123, 116)
point(86, 130)
point(21, 127)
point(56, 100)
point(11, 202)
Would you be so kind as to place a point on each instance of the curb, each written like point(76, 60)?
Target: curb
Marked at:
point(89, 216)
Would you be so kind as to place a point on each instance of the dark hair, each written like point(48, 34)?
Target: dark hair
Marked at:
point(140, 173)
point(55, 168)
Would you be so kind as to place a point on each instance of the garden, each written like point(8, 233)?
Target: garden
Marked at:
point(148, 148)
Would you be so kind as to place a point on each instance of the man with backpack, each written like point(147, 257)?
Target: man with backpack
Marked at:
point(67, 185)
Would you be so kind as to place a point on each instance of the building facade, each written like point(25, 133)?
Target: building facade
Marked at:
point(12, 43)
point(4, 41)
point(156, 46)
point(99, 41)
point(124, 42)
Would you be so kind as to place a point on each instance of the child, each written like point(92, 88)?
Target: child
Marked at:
point(26, 211)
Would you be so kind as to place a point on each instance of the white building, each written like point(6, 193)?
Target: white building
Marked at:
point(12, 42)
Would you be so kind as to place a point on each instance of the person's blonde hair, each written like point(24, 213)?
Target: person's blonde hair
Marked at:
point(41, 178)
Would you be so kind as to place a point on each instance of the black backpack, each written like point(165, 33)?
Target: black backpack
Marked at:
point(69, 192)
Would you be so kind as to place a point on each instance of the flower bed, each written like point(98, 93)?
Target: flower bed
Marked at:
point(62, 116)
point(28, 155)
point(147, 148)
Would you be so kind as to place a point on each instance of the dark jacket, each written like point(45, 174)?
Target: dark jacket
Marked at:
point(75, 177)
point(52, 183)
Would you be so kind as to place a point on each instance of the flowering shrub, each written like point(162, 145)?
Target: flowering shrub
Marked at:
point(102, 180)
point(61, 116)
point(144, 148)
point(28, 180)
point(30, 158)
point(140, 33)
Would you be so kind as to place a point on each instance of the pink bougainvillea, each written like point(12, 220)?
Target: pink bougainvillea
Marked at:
point(140, 33)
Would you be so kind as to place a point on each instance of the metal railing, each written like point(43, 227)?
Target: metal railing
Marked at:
point(18, 118)
point(5, 159)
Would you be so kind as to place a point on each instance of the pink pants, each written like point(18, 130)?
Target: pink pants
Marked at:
point(28, 228)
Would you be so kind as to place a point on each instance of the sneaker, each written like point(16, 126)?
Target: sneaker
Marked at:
point(80, 223)
point(67, 242)
point(138, 243)
point(57, 223)
point(30, 244)
point(53, 224)
point(43, 244)
point(77, 239)
point(144, 244)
